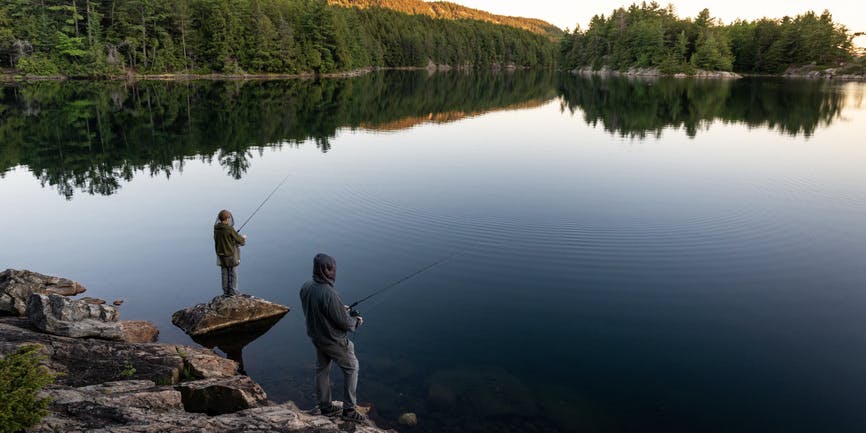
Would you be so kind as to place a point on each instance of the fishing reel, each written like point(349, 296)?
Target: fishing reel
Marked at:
point(354, 313)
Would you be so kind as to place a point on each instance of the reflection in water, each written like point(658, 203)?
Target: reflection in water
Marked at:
point(91, 136)
point(233, 340)
point(638, 107)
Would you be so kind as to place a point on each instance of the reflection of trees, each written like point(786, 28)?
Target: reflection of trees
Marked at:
point(91, 136)
point(636, 108)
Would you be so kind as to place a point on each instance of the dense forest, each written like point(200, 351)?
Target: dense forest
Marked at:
point(108, 37)
point(453, 11)
point(651, 36)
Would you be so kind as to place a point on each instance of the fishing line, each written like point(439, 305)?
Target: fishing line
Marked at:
point(263, 202)
point(404, 279)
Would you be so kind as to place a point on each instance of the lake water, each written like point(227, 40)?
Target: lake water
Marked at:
point(628, 255)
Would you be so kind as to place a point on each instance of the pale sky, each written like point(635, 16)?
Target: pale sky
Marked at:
point(568, 13)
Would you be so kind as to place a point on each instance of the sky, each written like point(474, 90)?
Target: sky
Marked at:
point(570, 13)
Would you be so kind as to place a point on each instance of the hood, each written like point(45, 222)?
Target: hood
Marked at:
point(324, 269)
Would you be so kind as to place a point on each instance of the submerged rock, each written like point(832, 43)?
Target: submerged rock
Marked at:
point(409, 419)
point(224, 312)
point(17, 286)
point(66, 317)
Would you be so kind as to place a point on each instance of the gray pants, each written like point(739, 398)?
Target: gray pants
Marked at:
point(230, 280)
point(345, 358)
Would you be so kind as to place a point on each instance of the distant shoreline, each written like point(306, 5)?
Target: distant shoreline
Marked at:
point(12, 76)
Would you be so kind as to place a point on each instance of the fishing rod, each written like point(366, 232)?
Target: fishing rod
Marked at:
point(263, 202)
point(352, 310)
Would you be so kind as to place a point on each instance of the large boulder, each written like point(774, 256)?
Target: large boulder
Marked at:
point(17, 286)
point(221, 395)
point(138, 331)
point(59, 315)
point(224, 312)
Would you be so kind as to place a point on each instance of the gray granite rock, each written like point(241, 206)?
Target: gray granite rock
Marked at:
point(16, 286)
point(221, 395)
point(90, 398)
point(59, 315)
point(224, 312)
point(93, 361)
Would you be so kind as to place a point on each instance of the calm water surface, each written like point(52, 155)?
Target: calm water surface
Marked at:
point(629, 255)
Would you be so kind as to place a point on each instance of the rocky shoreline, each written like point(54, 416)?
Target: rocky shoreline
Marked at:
point(109, 384)
point(652, 73)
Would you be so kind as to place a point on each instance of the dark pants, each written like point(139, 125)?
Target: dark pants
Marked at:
point(230, 280)
point(345, 358)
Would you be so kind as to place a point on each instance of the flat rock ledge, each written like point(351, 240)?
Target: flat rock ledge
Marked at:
point(224, 312)
point(120, 387)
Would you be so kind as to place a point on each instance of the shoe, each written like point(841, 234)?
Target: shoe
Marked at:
point(329, 410)
point(354, 416)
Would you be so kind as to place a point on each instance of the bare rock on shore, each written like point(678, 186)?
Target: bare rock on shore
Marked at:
point(138, 331)
point(221, 395)
point(87, 361)
point(118, 387)
point(224, 312)
point(94, 417)
point(66, 317)
point(17, 286)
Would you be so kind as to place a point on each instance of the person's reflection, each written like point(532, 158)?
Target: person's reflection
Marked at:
point(233, 340)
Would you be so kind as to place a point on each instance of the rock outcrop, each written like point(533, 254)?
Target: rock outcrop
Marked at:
point(653, 73)
point(224, 312)
point(59, 315)
point(118, 387)
point(221, 395)
point(17, 286)
point(88, 361)
point(138, 331)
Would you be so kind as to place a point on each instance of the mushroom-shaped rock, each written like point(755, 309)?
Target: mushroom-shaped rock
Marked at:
point(224, 312)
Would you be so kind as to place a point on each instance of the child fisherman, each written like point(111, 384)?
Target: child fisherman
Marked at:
point(226, 242)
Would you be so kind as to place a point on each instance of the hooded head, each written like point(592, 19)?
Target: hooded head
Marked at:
point(324, 269)
point(226, 217)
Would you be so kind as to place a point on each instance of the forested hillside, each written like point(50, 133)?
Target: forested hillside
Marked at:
point(107, 37)
point(448, 10)
point(650, 36)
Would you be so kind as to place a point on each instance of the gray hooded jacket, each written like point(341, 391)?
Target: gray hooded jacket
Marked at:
point(327, 318)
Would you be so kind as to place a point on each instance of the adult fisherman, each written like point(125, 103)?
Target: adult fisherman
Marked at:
point(328, 322)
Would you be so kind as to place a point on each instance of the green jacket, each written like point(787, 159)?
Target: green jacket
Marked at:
point(226, 241)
